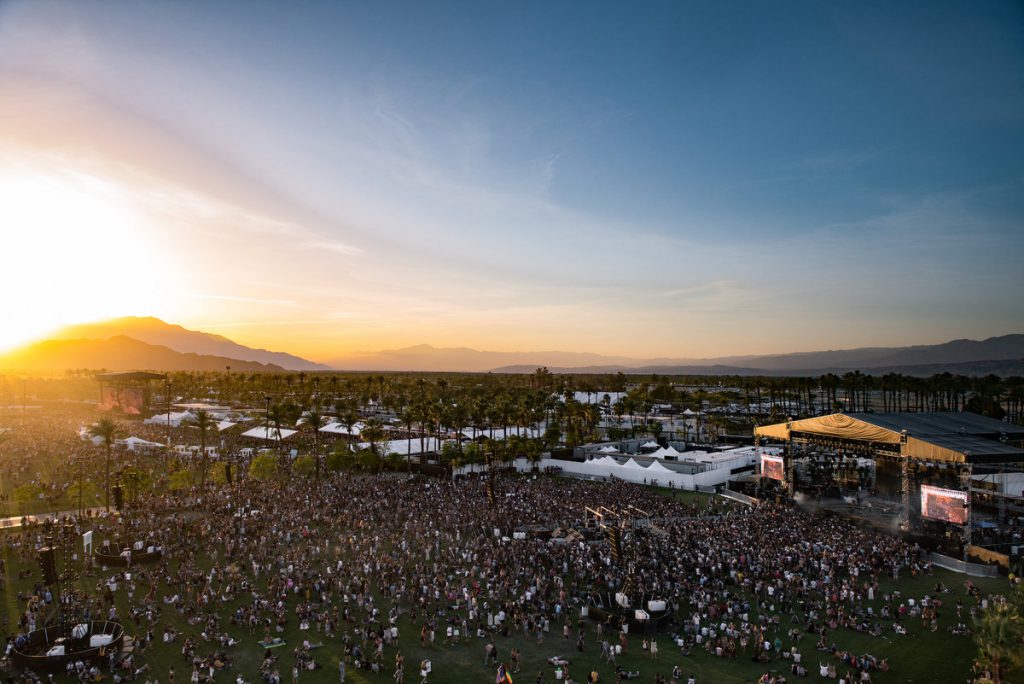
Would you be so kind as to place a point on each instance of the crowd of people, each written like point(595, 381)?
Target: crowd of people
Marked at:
point(358, 563)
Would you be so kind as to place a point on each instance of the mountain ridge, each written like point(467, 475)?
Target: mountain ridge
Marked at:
point(1003, 348)
point(152, 330)
point(119, 353)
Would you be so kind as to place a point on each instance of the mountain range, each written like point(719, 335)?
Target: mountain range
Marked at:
point(155, 331)
point(119, 353)
point(150, 343)
point(1002, 355)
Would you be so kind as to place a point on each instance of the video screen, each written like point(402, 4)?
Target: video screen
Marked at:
point(773, 467)
point(949, 505)
point(129, 400)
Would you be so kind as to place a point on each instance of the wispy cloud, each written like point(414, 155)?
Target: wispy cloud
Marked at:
point(248, 300)
point(339, 247)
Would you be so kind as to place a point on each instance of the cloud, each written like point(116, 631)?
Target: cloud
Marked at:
point(339, 247)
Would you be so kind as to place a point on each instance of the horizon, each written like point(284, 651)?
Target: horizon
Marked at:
point(668, 182)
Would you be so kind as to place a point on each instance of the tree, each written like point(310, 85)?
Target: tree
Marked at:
point(181, 479)
point(999, 634)
point(108, 430)
point(305, 466)
point(373, 432)
point(204, 422)
point(263, 467)
point(312, 420)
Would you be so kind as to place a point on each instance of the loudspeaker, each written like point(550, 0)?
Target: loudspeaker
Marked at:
point(227, 472)
point(48, 564)
point(118, 493)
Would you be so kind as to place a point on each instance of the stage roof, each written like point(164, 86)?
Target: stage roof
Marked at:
point(957, 437)
point(921, 424)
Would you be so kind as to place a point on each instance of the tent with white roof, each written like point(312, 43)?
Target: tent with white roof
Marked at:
point(656, 467)
point(631, 464)
point(268, 433)
point(176, 418)
point(336, 428)
point(133, 443)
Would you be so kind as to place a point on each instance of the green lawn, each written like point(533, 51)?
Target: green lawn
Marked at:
point(920, 656)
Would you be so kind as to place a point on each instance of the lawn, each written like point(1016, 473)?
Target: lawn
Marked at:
point(919, 656)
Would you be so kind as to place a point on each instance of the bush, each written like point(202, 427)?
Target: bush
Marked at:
point(304, 466)
point(263, 467)
point(338, 461)
point(181, 479)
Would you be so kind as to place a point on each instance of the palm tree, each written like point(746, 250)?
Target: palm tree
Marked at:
point(313, 420)
point(108, 430)
point(373, 432)
point(277, 414)
point(204, 422)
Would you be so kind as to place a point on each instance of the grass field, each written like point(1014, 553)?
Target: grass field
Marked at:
point(920, 656)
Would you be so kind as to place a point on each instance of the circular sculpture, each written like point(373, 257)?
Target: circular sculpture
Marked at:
point(51, 649)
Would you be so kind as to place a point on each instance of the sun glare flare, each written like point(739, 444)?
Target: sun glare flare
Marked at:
point(74, 249)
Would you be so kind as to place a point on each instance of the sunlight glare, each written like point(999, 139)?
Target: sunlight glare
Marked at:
point(73, 250)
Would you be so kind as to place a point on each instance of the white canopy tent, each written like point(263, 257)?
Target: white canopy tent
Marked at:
point(133, 443)
point(403, 447)
point(176, 418)
point(336, 428)
point(268, 433)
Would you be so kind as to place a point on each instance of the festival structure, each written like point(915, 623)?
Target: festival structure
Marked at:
point(927, 464)
point(128, 392)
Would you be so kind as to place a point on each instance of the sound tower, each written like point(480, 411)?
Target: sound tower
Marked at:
point(118, 493)
point(227, 472)
point(48, 564)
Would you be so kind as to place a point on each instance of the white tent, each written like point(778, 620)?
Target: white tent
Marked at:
point(176, 418)
point(631, 464)
point(263, 432)
point(608, 450)
point(650, 445)
point(405, 446)
point(336, 428)
point(224, 425)
point(656, 467)
point(133, 443)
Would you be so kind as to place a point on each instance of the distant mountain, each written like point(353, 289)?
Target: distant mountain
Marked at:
point(155, 331)
point(118, 353)
point(999, 355)
point(1003, 368)
point(957, 351)
point(424, 357)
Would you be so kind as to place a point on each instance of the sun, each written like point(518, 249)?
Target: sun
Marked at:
point(72, 249)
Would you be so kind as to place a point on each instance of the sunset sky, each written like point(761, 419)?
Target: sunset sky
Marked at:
point(645, 179)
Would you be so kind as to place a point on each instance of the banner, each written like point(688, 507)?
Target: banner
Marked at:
point(773, 467)
point(87, 542)
point(949, 505)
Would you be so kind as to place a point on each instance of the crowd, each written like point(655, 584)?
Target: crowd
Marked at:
point(350, 562)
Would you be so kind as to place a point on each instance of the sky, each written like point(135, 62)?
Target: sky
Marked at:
point(658, 179)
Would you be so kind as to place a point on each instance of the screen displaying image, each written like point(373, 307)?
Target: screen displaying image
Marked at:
point(773, 467)
point(944, 504)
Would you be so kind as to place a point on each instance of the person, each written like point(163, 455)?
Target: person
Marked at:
point(399, 675)
point(654, 649)
point(425, 668)
point(341, 670)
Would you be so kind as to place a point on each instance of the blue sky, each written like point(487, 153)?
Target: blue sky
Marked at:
point(658, 179)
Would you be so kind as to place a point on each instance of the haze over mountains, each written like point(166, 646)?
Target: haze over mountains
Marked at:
point(155, 331)
point(149, 343)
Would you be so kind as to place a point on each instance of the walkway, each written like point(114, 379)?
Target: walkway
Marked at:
point(15, 521)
